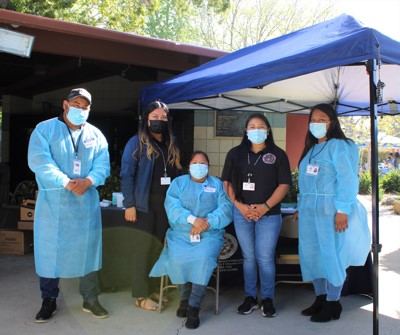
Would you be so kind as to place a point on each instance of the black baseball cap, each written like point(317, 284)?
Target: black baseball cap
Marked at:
point(80, 92)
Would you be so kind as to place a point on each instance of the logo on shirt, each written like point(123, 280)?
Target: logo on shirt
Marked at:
point(269, 158)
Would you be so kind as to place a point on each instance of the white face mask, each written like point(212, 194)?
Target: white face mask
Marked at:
point(318, 130)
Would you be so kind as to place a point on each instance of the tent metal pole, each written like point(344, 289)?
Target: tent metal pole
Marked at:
point(376, 247)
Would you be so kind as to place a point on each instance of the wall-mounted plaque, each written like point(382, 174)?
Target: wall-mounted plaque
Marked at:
point(231, 123)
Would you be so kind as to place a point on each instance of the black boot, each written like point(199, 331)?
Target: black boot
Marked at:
point(49, 308)
point(181, 312)
point(316, 306)
point(192, 321)
point(330, 310)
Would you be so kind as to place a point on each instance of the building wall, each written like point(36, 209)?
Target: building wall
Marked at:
point(296, 130)
point(218, 147)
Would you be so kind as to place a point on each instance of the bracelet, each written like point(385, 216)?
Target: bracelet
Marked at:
point(266, 206)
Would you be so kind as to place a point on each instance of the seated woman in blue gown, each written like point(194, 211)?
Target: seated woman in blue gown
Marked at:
point(198, 210)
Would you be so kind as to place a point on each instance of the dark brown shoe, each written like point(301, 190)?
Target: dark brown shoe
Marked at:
point(95, 309)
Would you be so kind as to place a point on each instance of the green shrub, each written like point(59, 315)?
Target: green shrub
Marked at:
point(390, 182)
point(112, 183)
point(291, 196)
point(365, 186)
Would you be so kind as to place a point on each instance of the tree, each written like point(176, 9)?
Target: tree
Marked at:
point(48, 8)
point(248, 22)
point(120, 15)
point(173, 19)
point(166, 19)
point(169, 22)
point(222, 24)
point(358, 127)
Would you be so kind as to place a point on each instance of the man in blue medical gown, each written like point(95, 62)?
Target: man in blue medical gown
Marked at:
point(70, 159)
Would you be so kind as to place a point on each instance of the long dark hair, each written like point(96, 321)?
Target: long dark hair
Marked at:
point(167, 135)
point(270, 137)
point(334, 131)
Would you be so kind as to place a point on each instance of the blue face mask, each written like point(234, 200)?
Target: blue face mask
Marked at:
point(77, 116)
point(198, 171)
point(257, 136)
point(318, 130)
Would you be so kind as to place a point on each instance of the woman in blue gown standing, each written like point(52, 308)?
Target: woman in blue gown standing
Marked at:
point(333, 225)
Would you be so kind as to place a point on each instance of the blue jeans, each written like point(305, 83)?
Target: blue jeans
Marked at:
point(88, 287)
point(258, 241)
point(322, 286)
point(193, 292)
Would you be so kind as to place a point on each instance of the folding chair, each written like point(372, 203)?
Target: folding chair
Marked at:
point(287, 256)
point(165, 285)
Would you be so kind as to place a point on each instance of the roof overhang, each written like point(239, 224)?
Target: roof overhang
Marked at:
point(60, 45)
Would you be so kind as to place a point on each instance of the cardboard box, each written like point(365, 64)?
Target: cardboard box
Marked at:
point(27, 210)
point(29, 203)
point(15, 242)
point(25, 225)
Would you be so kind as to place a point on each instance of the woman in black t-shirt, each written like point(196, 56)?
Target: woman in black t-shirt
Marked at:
point(256, 177)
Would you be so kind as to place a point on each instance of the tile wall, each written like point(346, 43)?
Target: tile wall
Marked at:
point(217, 147)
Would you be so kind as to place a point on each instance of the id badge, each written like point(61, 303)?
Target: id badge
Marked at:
point(195, 238)
point(165, 180)
point(209, 189)
point(312, 169)
point(89, 142)
point(77, 166)
point(249, 186)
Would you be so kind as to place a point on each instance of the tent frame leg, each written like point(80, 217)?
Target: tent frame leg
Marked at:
point(376, 247)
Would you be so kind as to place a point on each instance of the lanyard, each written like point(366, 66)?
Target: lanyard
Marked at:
point(163, 158)
point(312, 150)
point(248, 159)
point(249, 175)
point(75, 145)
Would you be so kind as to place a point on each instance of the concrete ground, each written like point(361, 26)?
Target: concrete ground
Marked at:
point(20, 301)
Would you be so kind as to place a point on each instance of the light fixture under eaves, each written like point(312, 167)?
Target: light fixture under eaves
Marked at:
point(16, 43)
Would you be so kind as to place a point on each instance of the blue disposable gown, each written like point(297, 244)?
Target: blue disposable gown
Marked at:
point(182, 260)
point(325, 253)
point(67, 227)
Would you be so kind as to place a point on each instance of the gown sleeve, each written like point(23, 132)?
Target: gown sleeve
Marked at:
point(41, 162)
point(176, 213)
point(222, 216)
point(345, 161)
point(101, 163)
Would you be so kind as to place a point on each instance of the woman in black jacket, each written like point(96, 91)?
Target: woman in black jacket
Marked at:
point(150, 161)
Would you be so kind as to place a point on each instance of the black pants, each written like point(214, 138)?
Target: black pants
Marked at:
point(154, 225)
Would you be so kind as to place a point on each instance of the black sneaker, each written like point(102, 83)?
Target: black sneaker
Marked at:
point(181, 312)
point(249, 305)
point(95, 309)
point(192, 320)
point(49, 308)
point(268, 309)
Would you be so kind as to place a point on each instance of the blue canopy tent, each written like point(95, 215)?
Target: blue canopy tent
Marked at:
point(339, 61)
point(292, 73)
